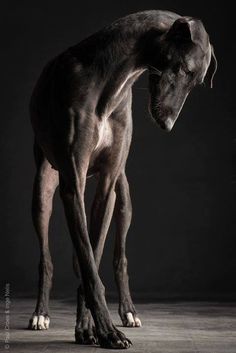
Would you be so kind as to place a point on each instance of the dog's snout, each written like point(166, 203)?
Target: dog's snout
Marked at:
point(166, 124)
point(163, 117)
point(166, 110)
point(169, 124)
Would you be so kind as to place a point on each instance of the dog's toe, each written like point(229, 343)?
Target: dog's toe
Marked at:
point(85, 336)
point(115, 340)
point(131, 320)
point(39, 322)
point(137, 322)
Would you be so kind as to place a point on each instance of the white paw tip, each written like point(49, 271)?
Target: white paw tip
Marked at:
point(39, 322)
point(130, 319)
point(34, 321)
point(137, 322)
point(46, 322)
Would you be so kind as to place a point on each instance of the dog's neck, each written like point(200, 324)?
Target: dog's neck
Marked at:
point(121, 52)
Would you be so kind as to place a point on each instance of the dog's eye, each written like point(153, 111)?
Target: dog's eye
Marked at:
point(188, 72)
point(187, 69)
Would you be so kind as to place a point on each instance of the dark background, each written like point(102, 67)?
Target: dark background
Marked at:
point(182, 240)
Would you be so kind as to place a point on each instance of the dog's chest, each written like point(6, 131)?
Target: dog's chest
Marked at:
point(104, 135)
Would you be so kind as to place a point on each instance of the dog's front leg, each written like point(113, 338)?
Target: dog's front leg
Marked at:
point(72, 186)
point(101, 214)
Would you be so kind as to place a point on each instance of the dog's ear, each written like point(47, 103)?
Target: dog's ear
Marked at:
point(188, 30)
point(211, 69)
point(179, 31)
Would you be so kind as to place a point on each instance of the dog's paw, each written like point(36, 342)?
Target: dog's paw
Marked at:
point(86, 335)
point(85, 331)
point(131, 320)
point(128, 314)
point(114, 340)
point(39, 322)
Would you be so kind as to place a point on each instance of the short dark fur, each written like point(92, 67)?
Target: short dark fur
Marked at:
point(81, 116)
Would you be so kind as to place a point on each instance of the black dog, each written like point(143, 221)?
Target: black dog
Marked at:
point(81, 116)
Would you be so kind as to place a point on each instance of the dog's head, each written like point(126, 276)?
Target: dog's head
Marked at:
point(186, 59)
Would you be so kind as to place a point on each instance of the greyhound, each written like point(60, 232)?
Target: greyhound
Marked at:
point(81, 116)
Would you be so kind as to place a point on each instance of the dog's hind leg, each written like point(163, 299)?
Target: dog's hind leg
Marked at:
point(45, 183)
point(123, 214)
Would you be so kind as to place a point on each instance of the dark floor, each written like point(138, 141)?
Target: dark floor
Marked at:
point(167, 328)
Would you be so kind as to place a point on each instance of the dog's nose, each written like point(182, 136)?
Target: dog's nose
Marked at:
point(166, 124)
point(169, 124)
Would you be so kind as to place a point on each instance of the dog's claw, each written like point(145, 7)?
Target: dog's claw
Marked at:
point(115, 340)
